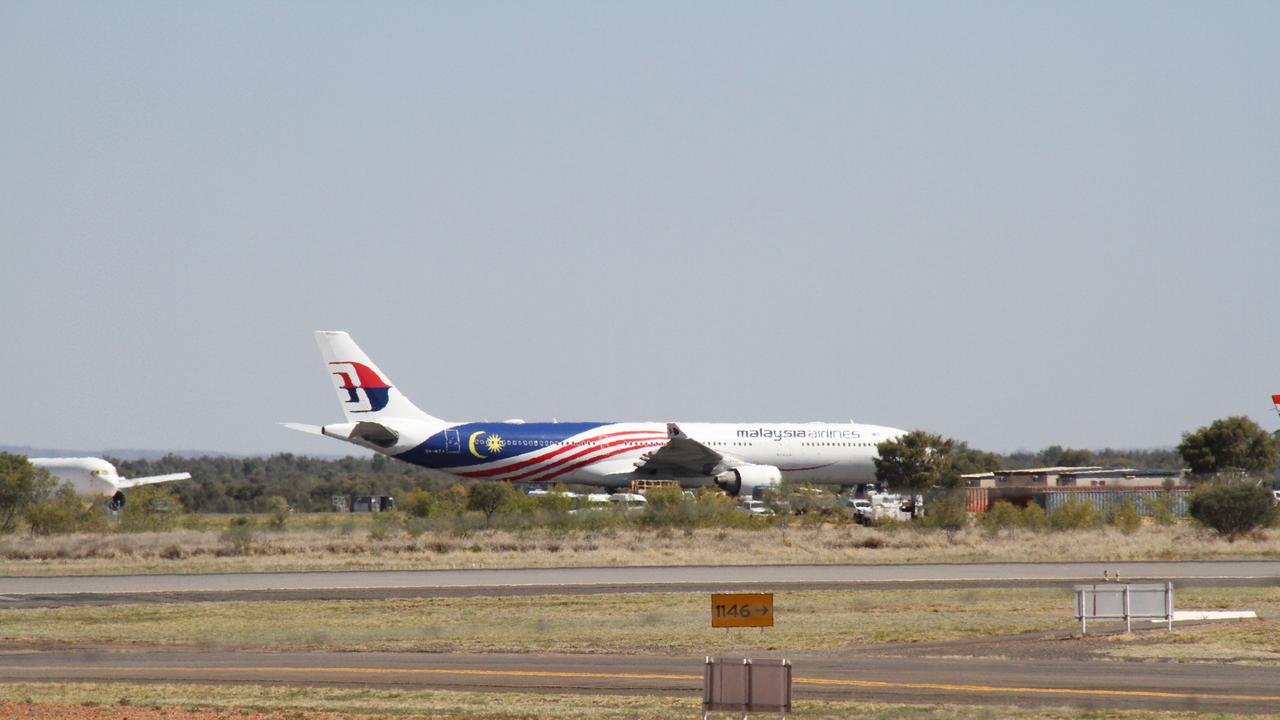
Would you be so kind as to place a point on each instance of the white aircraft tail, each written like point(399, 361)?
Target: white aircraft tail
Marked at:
point(364, 391)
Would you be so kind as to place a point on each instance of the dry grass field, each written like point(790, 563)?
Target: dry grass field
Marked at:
point(392, 546)
point(655, 623)
point(88, 701)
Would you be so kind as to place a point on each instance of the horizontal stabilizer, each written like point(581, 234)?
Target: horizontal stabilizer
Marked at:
point(151, 479)
point(365, 432)
point(302, 427)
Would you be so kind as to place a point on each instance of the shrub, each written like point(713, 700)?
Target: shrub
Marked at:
point(383, 524)
point(807, 500)
point(1003, 515)
point(150, 508)
point(278, 507)
point(239, 535)
point(64, 512)
point(1125, 517)
point(669, 506)
point(1162, 509)
point(1075, 514)
point(555, 502)
point(947, 512)
point(1034, 518)
point(419, 503)
point(1232, 509)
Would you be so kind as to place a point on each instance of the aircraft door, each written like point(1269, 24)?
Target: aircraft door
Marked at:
point(451, 442)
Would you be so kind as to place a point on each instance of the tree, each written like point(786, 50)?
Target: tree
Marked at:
point(419, 503)
point(966, 460)
point(61, 510)
point(490, 497)
point(1232, 444)
point(1074, 457)
point(17, 486)
point(917, 462)
point(1232, 509)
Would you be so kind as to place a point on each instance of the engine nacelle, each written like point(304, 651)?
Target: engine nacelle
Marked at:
point(743, 481)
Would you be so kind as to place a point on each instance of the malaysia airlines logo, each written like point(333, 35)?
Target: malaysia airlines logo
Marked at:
point(376, 390)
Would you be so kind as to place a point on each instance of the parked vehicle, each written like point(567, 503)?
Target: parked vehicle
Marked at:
point(860, 508)
point(629, 501)
point(755, 507)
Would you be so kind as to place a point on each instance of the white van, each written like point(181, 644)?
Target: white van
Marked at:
point(630, 501)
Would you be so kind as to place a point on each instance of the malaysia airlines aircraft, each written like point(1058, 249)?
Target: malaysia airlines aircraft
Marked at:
point(95, 476)
point(737, 457)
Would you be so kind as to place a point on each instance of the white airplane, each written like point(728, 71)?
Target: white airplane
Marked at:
point(94, 476)
point(737, 457)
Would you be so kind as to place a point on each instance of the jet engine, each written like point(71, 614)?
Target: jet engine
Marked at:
point(743, 481)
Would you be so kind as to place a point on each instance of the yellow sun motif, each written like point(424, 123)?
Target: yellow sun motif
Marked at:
point(493, 443)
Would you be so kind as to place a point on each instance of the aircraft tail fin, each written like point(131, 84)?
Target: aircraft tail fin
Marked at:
point(364, 391)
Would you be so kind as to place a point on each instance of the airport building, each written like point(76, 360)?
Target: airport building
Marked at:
point(1105, 487)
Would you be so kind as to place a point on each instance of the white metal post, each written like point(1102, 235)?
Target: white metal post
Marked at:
point(1127, 627)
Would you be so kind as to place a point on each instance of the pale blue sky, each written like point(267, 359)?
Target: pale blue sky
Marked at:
point(1017, 224)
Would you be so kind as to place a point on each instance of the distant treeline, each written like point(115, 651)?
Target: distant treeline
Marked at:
point(1058, 456)
point(237, 485)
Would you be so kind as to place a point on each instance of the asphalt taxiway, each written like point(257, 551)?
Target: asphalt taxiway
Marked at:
point(862, 677)
point(16, 591)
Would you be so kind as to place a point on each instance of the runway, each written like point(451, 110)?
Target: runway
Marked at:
point(863, 677)
point(887, 673)
point(28, 591)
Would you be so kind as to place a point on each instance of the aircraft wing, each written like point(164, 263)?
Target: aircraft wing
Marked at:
point(151, 479)
point(683, 456)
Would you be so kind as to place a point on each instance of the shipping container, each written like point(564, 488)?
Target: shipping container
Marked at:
point(976, 499)
point(1108, 500)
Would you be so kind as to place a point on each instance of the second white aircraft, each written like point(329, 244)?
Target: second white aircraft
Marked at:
point(737, 457)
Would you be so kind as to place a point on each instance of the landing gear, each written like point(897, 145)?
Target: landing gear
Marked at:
point(116, 502)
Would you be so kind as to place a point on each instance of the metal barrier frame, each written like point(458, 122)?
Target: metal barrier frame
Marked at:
point(741, 692)
point(1086, 610)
